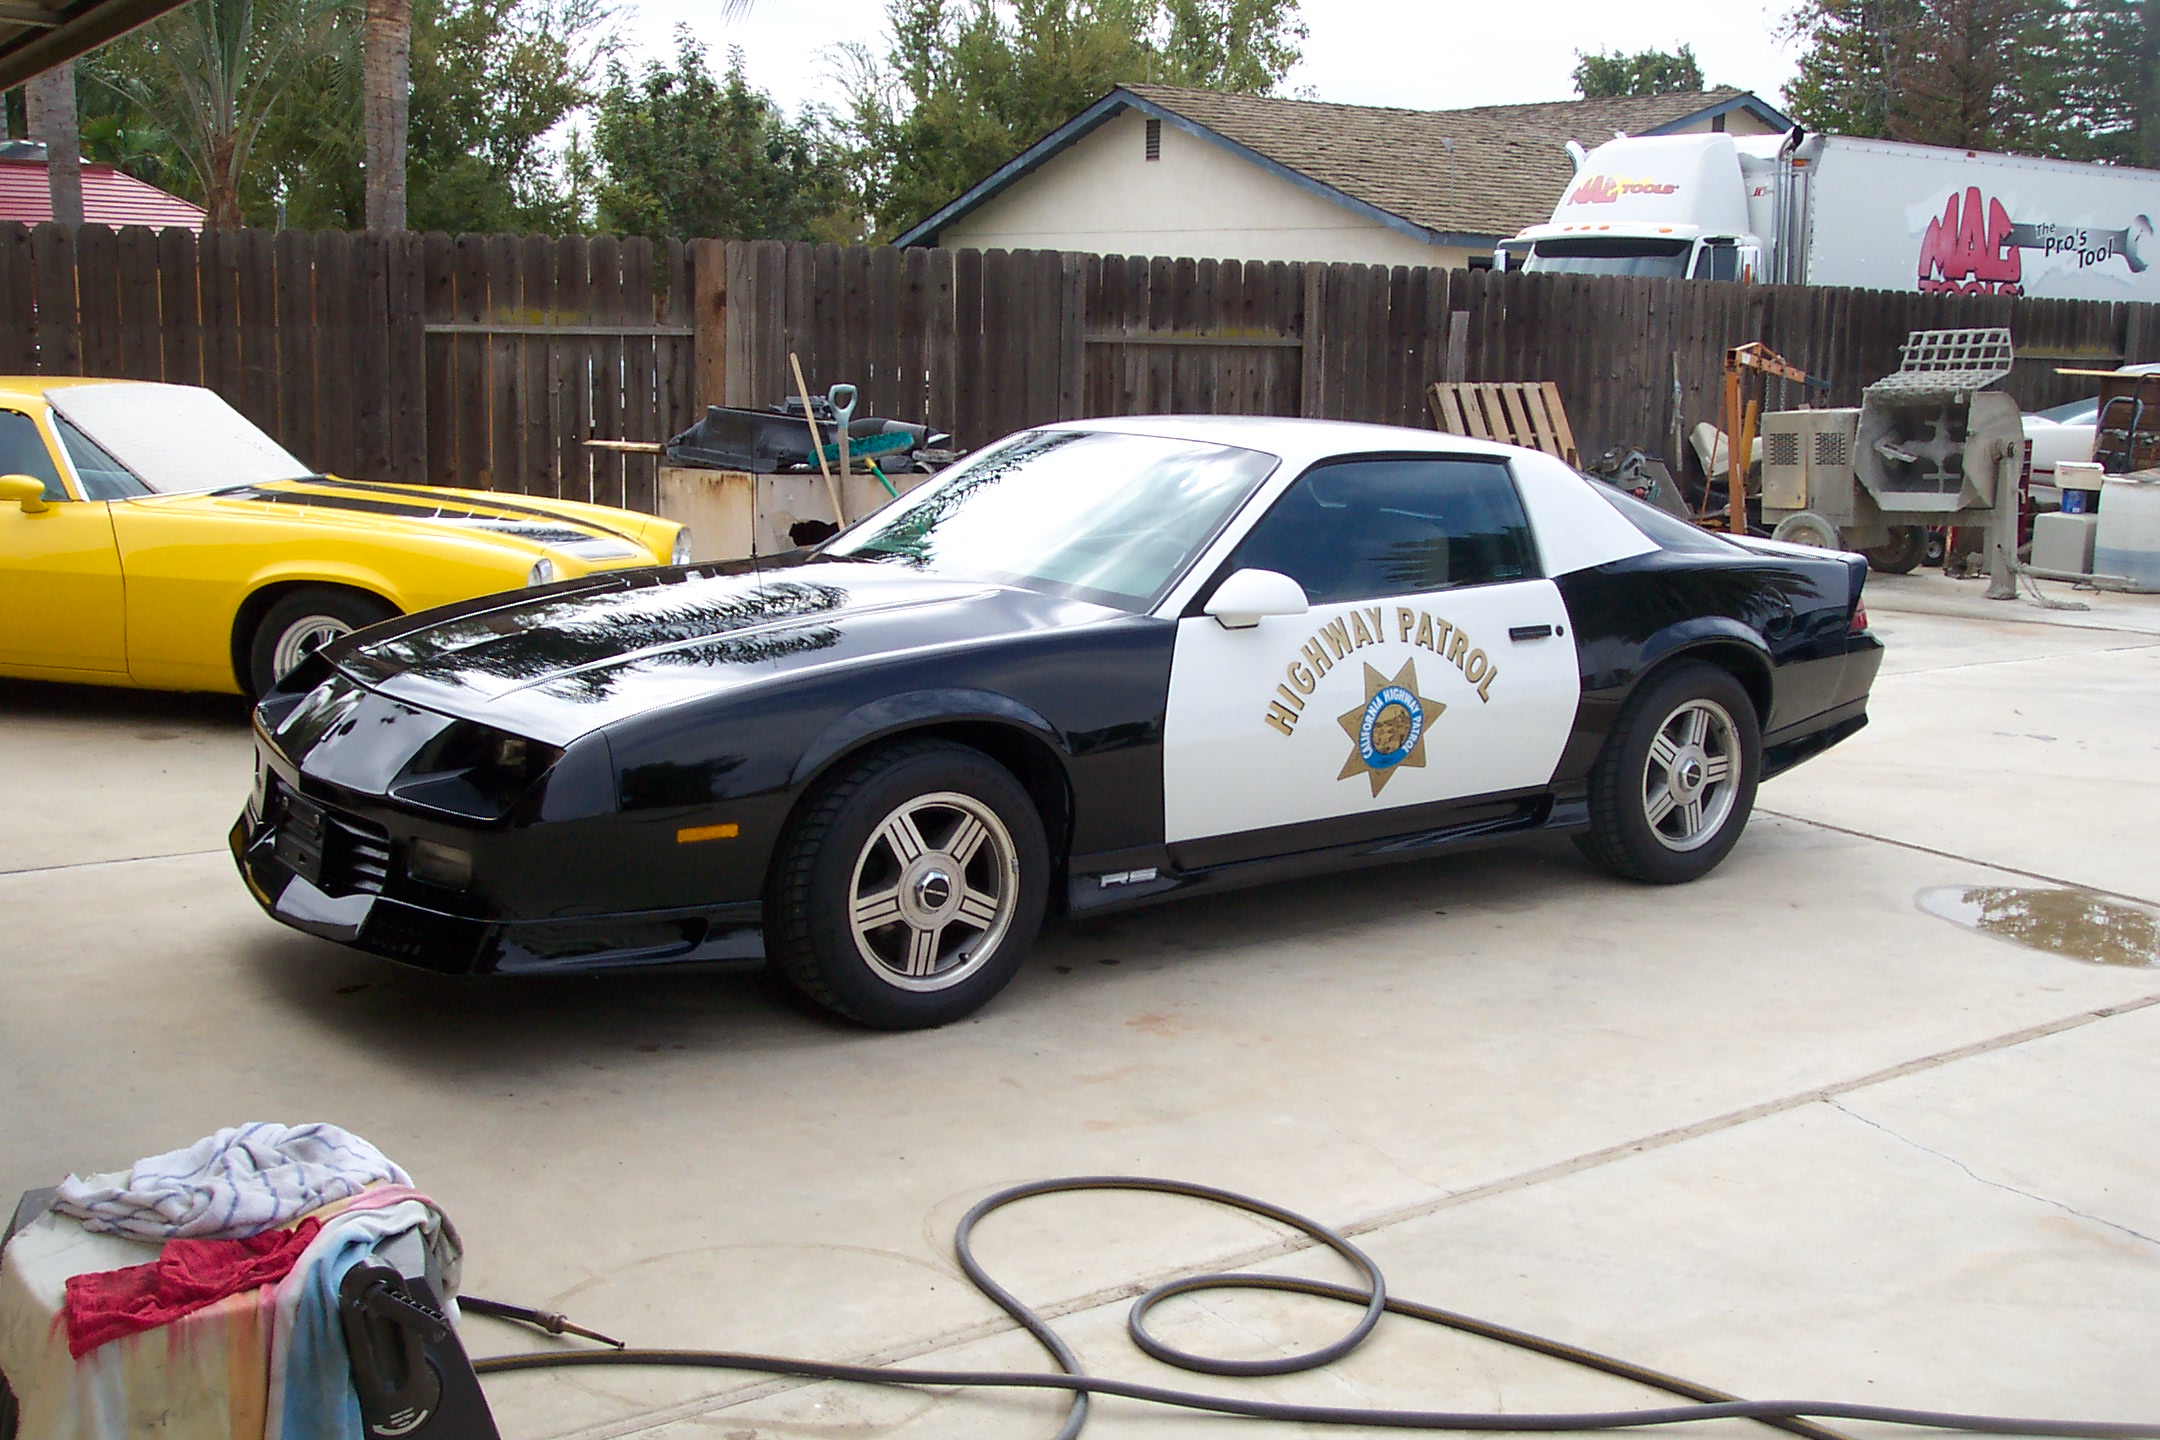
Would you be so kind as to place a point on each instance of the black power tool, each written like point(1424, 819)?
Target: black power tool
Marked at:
point(408, 1368)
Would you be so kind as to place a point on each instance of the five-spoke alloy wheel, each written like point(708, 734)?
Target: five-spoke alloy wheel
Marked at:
point(934, 891)
point(908, 886)
point(1673, 790)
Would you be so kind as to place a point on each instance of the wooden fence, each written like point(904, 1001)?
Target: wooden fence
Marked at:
point(489, 360)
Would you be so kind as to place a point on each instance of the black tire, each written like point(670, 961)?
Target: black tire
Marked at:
point(1902, 555)
point(1622, 837)
point(322, 608)
point(838, 845)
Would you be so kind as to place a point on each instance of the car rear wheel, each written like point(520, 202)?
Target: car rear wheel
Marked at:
point(300, 622)
point(1673, 790)
point(908, 890)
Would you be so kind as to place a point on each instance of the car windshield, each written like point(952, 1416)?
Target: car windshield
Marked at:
point(1663, 259)
point(2077, 412)
point(1105, 517)
point(173, 438)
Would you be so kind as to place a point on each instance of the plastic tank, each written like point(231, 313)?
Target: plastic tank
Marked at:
point(2127, 542)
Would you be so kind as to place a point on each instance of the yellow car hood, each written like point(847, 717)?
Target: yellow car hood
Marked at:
point(594, 534)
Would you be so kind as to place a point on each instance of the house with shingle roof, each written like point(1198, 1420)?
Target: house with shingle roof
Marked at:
point(1158, 170)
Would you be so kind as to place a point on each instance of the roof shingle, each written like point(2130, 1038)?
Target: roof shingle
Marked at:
point(1491, 170)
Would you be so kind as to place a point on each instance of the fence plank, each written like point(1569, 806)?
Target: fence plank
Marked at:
point(335, 394)
point(640, 372)
point(294, 261)
point(370, 304)
point(505, 366)
point(537, 457)
point(255, 289)
point(59, 331)
point(470, 396)
point(97, 288)
point(407, 343)
point(18, 301)
point(438, 306)
point(219, 259)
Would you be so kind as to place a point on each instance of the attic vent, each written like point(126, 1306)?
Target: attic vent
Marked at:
point(1154, 139)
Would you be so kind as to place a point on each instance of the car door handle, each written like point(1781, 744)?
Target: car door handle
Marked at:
point(1529, 632)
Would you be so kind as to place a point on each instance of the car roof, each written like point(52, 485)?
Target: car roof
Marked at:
point(30, 389)
point(1298, 442)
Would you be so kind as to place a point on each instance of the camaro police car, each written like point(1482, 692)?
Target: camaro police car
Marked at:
point(1095, 665)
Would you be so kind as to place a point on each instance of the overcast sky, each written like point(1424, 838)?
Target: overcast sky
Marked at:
point(1426, 54)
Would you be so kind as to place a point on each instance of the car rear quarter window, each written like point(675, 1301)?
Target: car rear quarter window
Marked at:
point(1668, 532)
point(23, 452)
point(1369, 528)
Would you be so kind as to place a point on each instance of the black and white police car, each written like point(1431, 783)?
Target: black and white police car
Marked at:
point(1094, 665)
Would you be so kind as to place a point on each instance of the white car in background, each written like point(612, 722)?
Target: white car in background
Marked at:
point(2066, 433)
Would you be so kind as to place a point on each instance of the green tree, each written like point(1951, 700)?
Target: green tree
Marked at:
point(491, 82)
point(1988, 74)
point(209, 76)
point(678, 150)
point(2111, 82)
point(964, 85)
point(1609, 73)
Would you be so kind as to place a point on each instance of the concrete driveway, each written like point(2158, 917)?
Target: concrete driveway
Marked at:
point(1780, 1131)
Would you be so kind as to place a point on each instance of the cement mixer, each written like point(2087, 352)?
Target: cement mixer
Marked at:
point(1929, 445)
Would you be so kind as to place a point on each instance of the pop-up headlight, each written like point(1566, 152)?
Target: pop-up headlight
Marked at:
point(474, 771)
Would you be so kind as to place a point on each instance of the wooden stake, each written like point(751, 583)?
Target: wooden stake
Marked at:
point(817, 442)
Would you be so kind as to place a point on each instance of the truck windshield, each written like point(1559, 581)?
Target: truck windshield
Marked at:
point(1611, 255)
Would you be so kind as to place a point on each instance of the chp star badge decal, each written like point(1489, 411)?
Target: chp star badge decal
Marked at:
point(1389, 728)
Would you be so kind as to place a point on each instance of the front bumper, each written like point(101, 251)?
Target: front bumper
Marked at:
point(326, 876)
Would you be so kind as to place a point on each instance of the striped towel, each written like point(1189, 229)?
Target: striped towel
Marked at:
point(239, 1182)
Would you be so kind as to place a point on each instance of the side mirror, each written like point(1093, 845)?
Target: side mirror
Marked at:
point(1241, 601)
point(26, 491)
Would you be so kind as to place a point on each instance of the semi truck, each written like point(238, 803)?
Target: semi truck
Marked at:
point(1807, 209)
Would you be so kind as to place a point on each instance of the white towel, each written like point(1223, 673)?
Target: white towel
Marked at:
point(238, 1182)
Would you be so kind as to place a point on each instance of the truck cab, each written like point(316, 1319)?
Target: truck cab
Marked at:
point(1669, 206)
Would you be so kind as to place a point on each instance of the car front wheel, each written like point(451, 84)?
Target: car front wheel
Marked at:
point(300, 622)
point(1673, 790)
point(909, 889)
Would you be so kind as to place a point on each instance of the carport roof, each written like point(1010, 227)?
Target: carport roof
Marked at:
point(36, 35)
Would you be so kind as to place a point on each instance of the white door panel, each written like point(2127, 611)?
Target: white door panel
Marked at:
point(1364, 707)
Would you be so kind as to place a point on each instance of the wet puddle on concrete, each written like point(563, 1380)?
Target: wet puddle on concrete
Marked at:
point(2077, 923)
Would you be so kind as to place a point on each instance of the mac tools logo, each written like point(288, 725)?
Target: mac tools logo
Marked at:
point(1974, 248)
point(1605, 190)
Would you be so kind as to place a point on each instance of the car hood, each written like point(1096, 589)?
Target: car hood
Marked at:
point(536, 524)
point(562, 661)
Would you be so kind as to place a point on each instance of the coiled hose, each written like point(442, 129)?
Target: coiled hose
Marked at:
point(1795, 1417)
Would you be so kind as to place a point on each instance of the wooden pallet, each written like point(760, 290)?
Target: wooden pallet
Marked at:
point(1516, 412)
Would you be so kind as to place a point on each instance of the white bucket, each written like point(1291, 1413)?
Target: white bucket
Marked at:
point(2127, 542)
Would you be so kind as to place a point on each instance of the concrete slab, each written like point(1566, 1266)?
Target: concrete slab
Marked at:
point(1499, 1069)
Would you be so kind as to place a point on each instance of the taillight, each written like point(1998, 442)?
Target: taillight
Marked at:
point(1859, 619)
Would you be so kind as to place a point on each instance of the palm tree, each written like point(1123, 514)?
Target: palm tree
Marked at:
point(210, 73)
point(386, 76)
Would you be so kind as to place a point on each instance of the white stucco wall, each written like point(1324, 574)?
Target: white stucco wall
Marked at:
point(1104, 197)
point(1737, 122)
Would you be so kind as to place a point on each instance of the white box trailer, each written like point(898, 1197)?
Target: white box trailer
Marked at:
point(1826, 210)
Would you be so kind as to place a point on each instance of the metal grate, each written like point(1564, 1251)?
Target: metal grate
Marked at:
point(1833, 447)
point(1948, 361)
point(1781, 447)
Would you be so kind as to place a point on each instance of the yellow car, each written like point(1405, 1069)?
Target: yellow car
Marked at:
point(151, 536)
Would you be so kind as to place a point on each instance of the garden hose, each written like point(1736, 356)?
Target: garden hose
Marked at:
point(1792, 1416)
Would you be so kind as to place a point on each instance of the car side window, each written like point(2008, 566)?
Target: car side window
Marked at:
point(1368, 529)
point(101, 476)
point(23, 452)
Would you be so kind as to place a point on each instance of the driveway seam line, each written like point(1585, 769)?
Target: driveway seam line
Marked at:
point(1962, 859)
point(121, 860)
point(1275, 1250)
point(2020, 660)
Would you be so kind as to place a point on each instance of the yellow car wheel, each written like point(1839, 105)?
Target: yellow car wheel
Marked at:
point(300, 622)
